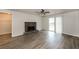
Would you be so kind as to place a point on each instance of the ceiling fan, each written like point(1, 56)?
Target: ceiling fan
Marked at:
point(43, 12)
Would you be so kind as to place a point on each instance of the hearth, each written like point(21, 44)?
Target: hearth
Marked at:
point(30, 26)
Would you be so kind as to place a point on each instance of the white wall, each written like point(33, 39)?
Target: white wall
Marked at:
point(18, 19)
point(18, 22)
point(45, 23)
point(70, 23)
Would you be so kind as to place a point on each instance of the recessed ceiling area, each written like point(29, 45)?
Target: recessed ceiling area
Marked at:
point(51, 11)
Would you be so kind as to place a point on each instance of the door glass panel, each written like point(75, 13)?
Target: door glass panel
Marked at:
point(51, 24)
point(58, 24)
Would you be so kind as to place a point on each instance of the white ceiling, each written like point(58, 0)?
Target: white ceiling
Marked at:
point(52, 11)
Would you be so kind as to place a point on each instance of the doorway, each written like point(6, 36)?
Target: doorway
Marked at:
point(5, 27)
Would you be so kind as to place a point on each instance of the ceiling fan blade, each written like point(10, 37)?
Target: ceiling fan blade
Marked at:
point(42, 10)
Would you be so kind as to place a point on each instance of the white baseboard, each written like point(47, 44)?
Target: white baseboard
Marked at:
point(14, 35)
point(71, 34)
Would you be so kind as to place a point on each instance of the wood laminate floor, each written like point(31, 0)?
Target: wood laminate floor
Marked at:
point(5, 38)
point(41, 40)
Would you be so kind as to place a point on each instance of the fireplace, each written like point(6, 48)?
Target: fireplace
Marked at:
point(30, 26)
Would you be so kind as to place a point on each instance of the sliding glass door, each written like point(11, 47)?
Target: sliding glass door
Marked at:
point(58, 24)
point(55, 24)
point(52, 24)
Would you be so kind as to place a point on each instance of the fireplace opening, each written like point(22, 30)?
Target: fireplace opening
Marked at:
point(30, 27)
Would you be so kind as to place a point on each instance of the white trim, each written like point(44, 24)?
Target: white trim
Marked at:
point(17, 35)
point(71, 34)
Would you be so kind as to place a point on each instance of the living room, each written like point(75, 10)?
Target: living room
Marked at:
point(39, 29)
point(42, 28)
